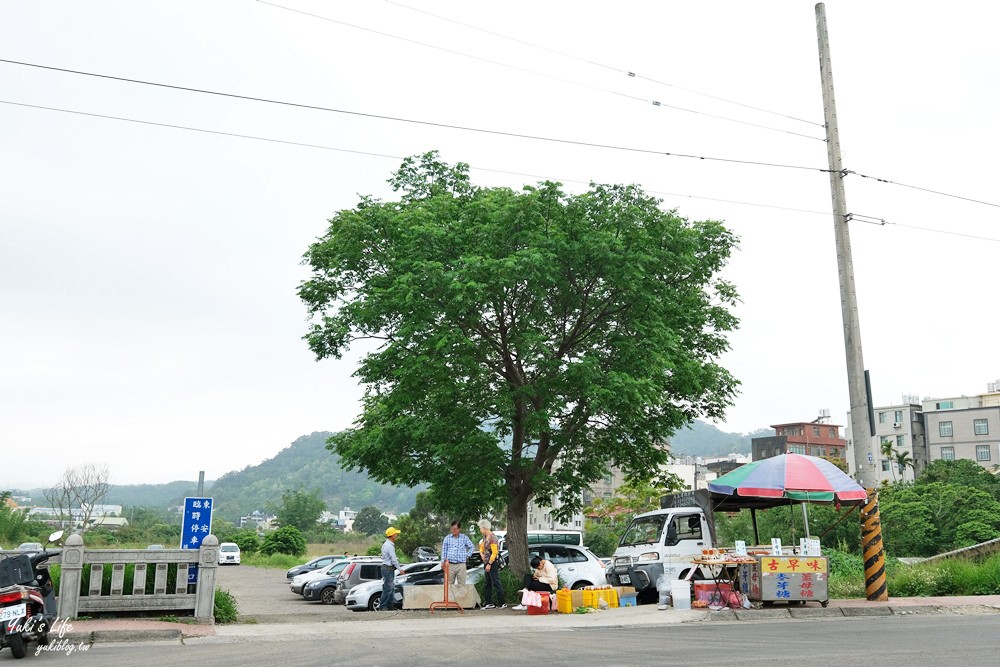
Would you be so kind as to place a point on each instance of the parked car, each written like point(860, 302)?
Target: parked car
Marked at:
point(28, 547)
point(321, 585)
point(300, 581)
point(229, 553)
point(366, 596)
point(368, 568)
point(425, 555)
point(577, 566)
point(314, 564)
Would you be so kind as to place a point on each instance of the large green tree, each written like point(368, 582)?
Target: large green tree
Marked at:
point(301, 509)
point(370, 521)
point(528, 340)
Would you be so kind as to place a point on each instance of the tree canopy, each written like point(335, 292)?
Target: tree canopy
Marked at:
point(300, 509)
point(370, 521)
point(528, 340)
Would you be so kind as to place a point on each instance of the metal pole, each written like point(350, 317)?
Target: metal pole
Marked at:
point(201, 483)
point(860, 426)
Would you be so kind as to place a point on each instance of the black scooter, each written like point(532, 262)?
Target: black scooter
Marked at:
point(27, 599)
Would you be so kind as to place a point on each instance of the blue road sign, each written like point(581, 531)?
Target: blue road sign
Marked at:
point(195, 526)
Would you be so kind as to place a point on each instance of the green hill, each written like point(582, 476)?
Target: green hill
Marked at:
point(308, 464)
point(704, 439)
point(305, 463)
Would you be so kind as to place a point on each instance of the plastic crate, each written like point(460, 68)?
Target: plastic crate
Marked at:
point(564, 601)
point(708, 592)
point(592, 598)
point(544, 609)
point(628, 600)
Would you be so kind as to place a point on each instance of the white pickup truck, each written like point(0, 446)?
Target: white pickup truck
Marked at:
point(664, 541)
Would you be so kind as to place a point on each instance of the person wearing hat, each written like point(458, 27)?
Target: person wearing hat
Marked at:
point(390, 566)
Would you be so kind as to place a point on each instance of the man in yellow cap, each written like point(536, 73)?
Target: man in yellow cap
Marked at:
point(390, 566)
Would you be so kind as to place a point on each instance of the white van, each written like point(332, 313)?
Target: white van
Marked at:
point(229, 553)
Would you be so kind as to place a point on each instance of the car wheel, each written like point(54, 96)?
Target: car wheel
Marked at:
point(580, 584)
point(375, 602)
point(328, 595)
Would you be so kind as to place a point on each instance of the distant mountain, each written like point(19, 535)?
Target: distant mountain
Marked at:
point(704, 439)
point(308, 464)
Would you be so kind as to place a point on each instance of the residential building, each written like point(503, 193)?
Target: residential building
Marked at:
point(258, 520)
point(815, 438)
point(964, 427)
point(902, 427)
point(345, 519)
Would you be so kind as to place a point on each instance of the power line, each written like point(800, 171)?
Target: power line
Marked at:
point(299, 105)
point(546, 75)
point(917, 187)
point(619, 70)
point(369, 153)
point(882, 222)
point(852, 216)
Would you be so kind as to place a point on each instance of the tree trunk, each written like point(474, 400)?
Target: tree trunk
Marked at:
point(517, 535)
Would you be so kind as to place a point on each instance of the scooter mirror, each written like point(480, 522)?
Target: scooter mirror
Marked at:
point(56, 536)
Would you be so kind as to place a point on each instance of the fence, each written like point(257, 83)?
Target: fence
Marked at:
point(77, 561)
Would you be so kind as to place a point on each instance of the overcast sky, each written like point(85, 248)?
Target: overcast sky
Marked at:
point(148, 274)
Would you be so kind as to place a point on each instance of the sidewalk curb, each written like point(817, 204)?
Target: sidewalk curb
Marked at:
point(121, 636)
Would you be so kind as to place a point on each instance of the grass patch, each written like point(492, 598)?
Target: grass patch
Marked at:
point(226, 609)
point(948, 577)
point(274, 561)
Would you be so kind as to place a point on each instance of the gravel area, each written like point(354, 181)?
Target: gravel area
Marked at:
point(263, 594)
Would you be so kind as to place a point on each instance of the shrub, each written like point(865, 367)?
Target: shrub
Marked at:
point(247, 540)
point(374, 550)
point(285, 540)
point(226, 610)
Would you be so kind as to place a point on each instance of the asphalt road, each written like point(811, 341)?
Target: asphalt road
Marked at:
point(940, 639)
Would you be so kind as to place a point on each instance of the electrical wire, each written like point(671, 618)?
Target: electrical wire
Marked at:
point(922, 189)
point(851, 216)
point(619, 70)
point(299, 105)
point(373, 154)
point(546, 75)
point(882, 222)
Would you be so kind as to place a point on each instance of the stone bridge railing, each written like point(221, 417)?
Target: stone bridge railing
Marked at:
point(150, 570)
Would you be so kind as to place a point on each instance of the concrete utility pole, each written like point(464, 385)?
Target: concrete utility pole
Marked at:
point(861, 431)
point(864, 459)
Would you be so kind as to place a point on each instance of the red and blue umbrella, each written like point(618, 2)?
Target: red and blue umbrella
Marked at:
point(795, 477)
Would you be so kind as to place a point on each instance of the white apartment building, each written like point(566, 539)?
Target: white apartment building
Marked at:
point(965, 427)
point(901, 426)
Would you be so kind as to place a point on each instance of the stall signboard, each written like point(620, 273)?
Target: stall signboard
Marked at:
point(776, 546)
point(741, 548)
point(792, 564)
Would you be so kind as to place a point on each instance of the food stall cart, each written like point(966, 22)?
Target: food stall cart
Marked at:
point(796, 574)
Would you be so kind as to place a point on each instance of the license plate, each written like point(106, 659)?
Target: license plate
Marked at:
point(10, 613)
point(625, 579)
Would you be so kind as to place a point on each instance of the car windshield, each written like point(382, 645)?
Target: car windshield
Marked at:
point(336, 567)
point(644, 530)
point(230, 547)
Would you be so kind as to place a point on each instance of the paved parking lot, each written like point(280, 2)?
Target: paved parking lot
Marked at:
point(263, 594)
